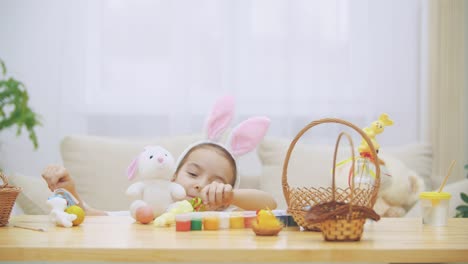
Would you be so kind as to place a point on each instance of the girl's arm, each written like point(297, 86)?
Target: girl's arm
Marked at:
point(91, 211)
point(57, 176)
point(253, 199)
point(88, 209)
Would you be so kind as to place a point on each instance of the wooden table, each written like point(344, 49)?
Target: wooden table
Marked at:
point(108, 238)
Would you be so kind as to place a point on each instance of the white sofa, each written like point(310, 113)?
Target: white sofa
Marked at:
point(99, 164)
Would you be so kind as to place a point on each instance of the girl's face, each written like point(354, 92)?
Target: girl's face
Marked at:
point(202, 167)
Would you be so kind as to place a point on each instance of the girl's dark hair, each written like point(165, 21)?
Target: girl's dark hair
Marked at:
point(220, 150)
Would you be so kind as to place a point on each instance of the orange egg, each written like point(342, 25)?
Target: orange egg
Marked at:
point(144, 214)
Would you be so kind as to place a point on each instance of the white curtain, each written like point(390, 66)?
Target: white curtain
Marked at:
point(448, 87)
point(150, 68)
point(166, 61)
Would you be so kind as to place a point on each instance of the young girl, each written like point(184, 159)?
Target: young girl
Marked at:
point(206, 169)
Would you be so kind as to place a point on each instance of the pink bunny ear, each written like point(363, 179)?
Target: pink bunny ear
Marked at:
point(131, 170)
point(246, 136)
point(220, 117)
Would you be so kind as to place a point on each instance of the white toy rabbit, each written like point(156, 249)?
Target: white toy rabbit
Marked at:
point(401, 191)
point(154, 167)
point(57, 214)
point(58, 202)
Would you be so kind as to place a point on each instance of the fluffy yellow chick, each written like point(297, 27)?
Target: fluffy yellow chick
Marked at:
point(168, 218)
point(266, 219)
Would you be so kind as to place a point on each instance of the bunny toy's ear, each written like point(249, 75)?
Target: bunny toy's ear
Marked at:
point(132, 168)
point(220, 117)
point(247, 135)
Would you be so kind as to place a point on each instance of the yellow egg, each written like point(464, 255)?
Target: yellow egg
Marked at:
point(76, 210)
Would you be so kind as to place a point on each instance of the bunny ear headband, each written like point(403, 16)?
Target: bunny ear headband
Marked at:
point(242, 139)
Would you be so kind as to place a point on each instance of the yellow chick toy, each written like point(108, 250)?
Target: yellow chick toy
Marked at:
point(168, 218)
point(373, 130)
point(267, 224)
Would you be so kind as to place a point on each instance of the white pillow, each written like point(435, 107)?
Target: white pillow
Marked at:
point(17, 210)
point(33, 197)
point(417, 156)
point(308, 167)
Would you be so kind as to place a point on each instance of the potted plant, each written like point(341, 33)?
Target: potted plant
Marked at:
point(462, 210)
point(14, 108)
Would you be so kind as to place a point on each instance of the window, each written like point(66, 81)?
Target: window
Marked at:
point(165, 62)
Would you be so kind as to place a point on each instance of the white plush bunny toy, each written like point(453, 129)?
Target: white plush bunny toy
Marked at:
point(57, 214)
point(154, 167)
point(58, 202)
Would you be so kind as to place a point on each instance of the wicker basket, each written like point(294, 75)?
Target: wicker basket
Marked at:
point(301, 199)
point(8, 196)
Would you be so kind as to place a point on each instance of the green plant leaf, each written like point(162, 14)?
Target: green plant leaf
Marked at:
point(461, 215)
point(14, 107)
point(464, 197)
point(3, 67)
point(462, 208)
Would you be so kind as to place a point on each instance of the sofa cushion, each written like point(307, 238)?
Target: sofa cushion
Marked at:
point(33, 197)
point(307, 167)
point(416, 156)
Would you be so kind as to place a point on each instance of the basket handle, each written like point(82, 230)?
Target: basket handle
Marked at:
point(4, 179)
point(284, 178)
point(353, 159)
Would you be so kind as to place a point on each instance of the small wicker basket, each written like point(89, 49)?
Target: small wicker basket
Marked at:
point(301, 199)
point(8, 196)
point(341, 218)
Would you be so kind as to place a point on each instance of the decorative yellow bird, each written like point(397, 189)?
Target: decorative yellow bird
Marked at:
point(373, 130)
point(365, 163)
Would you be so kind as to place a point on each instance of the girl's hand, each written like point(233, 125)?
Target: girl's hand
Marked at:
point(216, 195)
point(56, 177)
